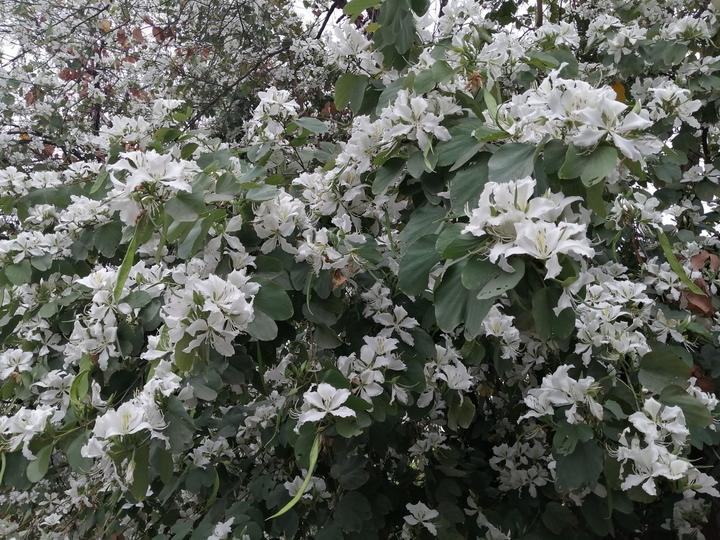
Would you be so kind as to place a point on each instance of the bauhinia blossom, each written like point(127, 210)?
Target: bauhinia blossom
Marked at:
point(326, 400)
point(561, 390)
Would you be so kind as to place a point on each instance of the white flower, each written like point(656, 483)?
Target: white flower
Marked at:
point(650, 462)
point(24, 425)
point(420, 514)
point(706, 398)
point(456, 376)
point(326, 400)
point(222, 530)
point(559, 389)
point(656, 421)
point(413, 120)
point(276, 219)
point(14, 361)
point(398, 322)
point(129, 418)
point(545, 241)
point(599, 123)
point(211, 309)
point(699, 482)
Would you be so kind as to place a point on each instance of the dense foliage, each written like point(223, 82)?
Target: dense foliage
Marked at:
point(413, 270)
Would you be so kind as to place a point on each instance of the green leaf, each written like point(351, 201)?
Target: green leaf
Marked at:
point(475, 313)
point(313, 125)
point(180, 427)
point(212, 161)
point(594, 198)
point(450, 299)
point(188, 150)
point(591, 168)
point(274, 301)
point(489, 279)
point(314, 453)
point(387, 174)
point(547, 324)
point(424, 220)
point(491, 103)
point(558, 518)
point(19, 273)
point(141, 472)
point(572, 166)
point(356, 7)
point(675, 264)
point(453, 243)
point(43, 262)
point(352, 512)
point(185, 207)
point(350, 90)
point(427, 79)
point(350, 472)
point(511, 161)
point(127, 262)
point(542, 60)
point(99, 181)
point(503, 282)
point(37, 469)
point(478, 272)
point(77, 462)
point(262, 327)
point(184, 360)
point(600, 164)
point(467, 184)
point(80, 387)
point(107, 238)
point(664, 366)
point(420, 7)
point(461, 414)
point(581, 468)
point(397, 26)
point(568, 435)
point(416, 264)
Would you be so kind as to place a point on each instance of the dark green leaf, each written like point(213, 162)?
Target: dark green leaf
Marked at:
point(467, 184)
point(387, 174)
point(141, 472)
point(262, 327)
point(313, 125)
point(350, 90)
point(415, 266)
point(37, 468)
point(19, 273)
point(511, 161)
point(490, 280)
point(185, 207)
point(356, 7)
point(664, 366)
point(274, 301)
point(450, 299)
point(581, 468)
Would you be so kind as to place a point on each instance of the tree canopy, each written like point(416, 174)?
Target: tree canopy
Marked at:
point(359, 269)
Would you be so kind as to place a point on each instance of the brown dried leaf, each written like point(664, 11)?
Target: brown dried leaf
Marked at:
point(137, 35)
point(699, 304)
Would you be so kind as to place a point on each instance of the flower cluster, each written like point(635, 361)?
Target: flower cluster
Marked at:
point(522, 224)
point(574, 111)
point(210, 311)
